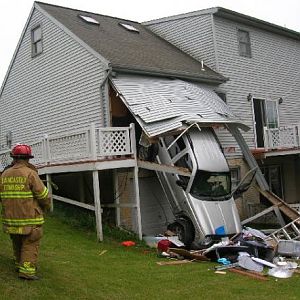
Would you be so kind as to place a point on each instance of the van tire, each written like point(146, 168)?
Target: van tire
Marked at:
point(184, 229)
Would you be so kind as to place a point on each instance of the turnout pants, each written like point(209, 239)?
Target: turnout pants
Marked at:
point(26, 249)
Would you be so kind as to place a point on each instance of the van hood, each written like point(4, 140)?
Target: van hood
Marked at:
point(216, 217)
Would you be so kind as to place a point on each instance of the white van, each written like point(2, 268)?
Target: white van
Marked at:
point(202, 204)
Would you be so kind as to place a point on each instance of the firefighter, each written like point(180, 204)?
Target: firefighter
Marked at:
point(24, 199)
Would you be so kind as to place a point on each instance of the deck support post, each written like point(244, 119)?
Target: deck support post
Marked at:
point(137, 201)
point(49, 186)
point(117, 197)
point(98, 210)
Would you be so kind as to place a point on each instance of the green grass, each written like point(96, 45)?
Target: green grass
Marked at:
point(71, 268)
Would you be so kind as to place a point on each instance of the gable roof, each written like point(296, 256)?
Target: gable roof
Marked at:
point(140, 52)
point(234, 16)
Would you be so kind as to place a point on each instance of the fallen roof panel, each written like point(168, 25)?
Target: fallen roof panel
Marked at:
point(162, 104)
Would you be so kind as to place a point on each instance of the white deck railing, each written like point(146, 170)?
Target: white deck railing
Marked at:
point(282, 137)
point(87, 144)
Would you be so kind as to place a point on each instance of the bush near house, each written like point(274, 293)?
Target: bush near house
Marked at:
point(73, 265)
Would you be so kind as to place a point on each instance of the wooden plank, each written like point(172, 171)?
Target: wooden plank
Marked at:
point(163, 168)
point(173, 262)
point(73, 202)
point(189, 254)
point(249, 274)
point(260, 214)
point(288, 211)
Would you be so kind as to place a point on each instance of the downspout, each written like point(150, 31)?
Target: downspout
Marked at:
point(105, 98)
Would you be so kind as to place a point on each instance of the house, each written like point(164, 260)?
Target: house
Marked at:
point(76, 82)
point(262, 63)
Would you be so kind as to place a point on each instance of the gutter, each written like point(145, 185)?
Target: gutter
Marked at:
point(204, 78)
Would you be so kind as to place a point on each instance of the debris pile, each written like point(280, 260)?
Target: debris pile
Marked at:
point(250, 253)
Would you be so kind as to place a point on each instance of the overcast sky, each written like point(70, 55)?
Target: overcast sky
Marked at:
point(14, 14)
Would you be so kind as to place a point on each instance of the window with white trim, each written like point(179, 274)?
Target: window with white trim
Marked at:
point(235, 177)
point(36, 41)
point(244, 43)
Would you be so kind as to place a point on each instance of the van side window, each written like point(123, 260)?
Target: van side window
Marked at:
point(177, 147)
point(184, 162)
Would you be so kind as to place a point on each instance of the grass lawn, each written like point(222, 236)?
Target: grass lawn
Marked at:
point(71, 268)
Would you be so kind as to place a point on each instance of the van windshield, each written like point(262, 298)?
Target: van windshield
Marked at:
point(211, 185)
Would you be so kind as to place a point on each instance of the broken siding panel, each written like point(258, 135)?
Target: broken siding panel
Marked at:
point(162, 104)
point(54, 91)
point(272, 72)
point(192, 34)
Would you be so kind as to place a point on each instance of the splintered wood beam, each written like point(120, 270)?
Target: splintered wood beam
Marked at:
point(163, 168)
point(251, 274)
point(284, 208)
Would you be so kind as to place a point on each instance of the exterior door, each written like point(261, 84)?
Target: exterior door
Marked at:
point(265, 115)
point(274, 178)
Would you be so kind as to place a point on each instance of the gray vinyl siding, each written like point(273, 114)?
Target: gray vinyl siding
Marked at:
point(195, 36)
point(272, 72)
point(56, 91)
point(192, 35)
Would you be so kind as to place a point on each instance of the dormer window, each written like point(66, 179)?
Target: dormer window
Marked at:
point(36, 41)
point(129, 27)
point(89, 19)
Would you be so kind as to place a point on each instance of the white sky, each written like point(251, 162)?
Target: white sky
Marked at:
point(14, 14)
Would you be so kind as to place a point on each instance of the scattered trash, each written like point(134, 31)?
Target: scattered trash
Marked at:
point(128, 243)
point(246, 262)
point(219, 268)
point(280, 272)
point(194, 255)
point(288, 248)
point(152, 241)
point(224, 261)
point(248, 253)
point(263, 262)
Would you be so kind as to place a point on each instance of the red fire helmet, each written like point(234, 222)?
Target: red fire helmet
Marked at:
point(21, 151)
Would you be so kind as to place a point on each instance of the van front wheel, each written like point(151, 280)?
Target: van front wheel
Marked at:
point(184, 229)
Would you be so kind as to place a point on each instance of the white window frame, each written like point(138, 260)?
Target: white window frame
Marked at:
point(235, 182)
point(247, 44)
point(35, 49)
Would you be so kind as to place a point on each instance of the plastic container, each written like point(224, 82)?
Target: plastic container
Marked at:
point(289, 248)
point(152, 241)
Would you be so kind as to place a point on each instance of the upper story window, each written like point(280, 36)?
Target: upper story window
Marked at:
point(36, 41)
point(244, 43)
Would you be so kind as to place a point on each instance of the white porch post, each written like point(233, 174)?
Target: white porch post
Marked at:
point(98, 210)
point(49, 186)
point(117, 197)
point(137, 201)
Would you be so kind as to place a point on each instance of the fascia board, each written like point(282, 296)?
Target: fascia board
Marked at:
point(182, 16)
point(73, 36)
point(251, 21)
